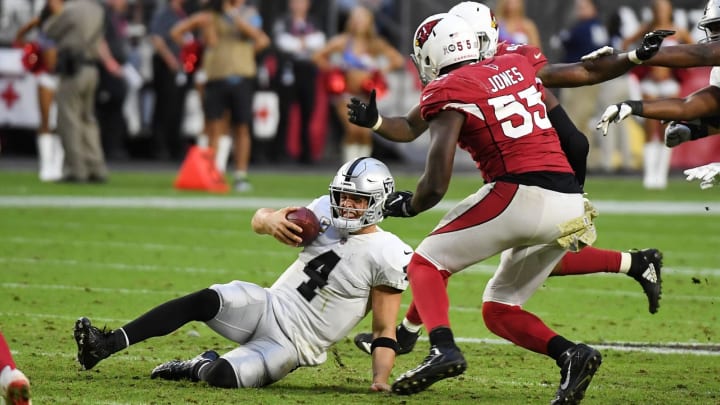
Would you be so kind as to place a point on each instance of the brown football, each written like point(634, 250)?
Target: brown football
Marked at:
point(308, 222)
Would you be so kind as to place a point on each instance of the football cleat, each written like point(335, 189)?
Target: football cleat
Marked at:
point(184, 370)
point(645, 269)
point(441, 363)
point(93, 344)
point(578, 365)
point(406, 340)
point(14, 387)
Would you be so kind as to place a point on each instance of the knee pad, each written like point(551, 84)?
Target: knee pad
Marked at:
point(220, 373)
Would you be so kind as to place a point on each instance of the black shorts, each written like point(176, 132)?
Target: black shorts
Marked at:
point(234, 95)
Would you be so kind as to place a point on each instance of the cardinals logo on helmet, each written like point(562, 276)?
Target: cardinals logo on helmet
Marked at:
point(423, 33)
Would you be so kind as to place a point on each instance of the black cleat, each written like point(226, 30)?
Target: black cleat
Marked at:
point(645, 269)
point(441, 363)
point(184, 370)
point(93, 344)
point(406, 340)
point(579, 364)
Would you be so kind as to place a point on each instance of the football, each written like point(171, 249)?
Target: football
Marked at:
point(308, 222)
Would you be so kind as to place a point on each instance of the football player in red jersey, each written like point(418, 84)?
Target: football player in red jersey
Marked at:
point(531, 208)
point(644, 266)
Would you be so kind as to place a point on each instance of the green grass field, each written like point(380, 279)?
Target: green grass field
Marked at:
point(112, 252)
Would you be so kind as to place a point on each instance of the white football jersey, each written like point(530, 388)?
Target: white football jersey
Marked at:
point(325, 293)
point(715, 76)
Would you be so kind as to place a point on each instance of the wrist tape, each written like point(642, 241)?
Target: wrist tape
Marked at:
point(377, 123)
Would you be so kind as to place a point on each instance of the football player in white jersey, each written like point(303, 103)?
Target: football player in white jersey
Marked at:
point(695, 116)
point(315, 303)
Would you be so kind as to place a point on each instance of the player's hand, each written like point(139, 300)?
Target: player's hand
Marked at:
point(361, 114)
point(616, 113)
point(598, 53)
point(651, 43)
point(398, 204)
point(709, 175)
point(277, 225)
point(683, 131)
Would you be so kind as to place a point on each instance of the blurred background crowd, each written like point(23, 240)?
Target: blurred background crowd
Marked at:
point(267, 81)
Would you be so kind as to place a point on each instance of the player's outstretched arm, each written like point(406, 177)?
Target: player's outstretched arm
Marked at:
point(608, 66)
point(703, 103)
point(396, 129)
point(385, 307)
point(689, 55)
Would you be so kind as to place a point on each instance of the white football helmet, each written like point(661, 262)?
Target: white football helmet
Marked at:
point(482, 20)
point(710, 21)
point(442, 40)
point(366, 177)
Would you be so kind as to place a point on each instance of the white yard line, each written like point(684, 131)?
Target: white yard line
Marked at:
point(604, 206)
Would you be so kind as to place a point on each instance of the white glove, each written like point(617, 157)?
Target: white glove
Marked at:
point(613, 113)
point(598, 53)
point(708, 174)
point(676, 133)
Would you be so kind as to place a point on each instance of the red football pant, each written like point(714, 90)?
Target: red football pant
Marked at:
point(517, 325)
point(430, 298)
point(6, 358)
point(589, 260)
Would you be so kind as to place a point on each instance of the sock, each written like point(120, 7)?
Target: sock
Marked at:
point(590, 260)
point(117, 340)
point(429, 292)
point(663, 165)
point(442, 337)
point(557, 346)
point(411, 326)
point(6, 358)
point(364, 149)
point(650, 157)
point(412, 315)
point(240, 175)
point(202, 141)
point(45, 157)
point(348, 152)
point(58, 156)
point(625, 262)
point(200, 306)
point(517, 325)
point(222, 154)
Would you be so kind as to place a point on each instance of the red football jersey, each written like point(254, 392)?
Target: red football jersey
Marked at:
point(506, 129)
point(532, 53)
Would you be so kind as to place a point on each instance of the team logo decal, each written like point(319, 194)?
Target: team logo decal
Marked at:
point(423, 33)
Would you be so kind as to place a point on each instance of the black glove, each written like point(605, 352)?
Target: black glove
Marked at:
point(397, 204)
point(651, 43)
point(361, 114)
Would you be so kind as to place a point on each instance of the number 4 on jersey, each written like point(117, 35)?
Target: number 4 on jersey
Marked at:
point(318, 269)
